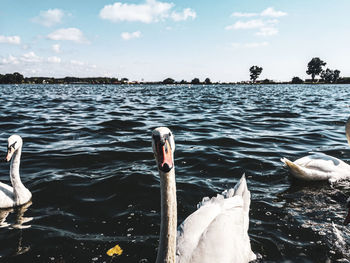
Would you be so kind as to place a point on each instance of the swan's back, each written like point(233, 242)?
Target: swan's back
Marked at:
point(217, 231)
point(318, 166)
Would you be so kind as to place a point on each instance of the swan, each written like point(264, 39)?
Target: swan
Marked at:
point(216, 232)
point(18, 194)
point(320, 166)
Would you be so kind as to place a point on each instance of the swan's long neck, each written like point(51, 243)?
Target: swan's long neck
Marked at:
point(167, 242)
point(14, 174)
point(347, 129)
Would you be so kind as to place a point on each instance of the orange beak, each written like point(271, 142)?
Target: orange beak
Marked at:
point(9, 154)
point(165, 161)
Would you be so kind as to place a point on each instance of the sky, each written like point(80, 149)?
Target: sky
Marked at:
point(150, 40)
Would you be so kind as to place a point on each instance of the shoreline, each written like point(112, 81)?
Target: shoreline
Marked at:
point(17, 78)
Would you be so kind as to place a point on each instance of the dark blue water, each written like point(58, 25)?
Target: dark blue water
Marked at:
point(88, 161)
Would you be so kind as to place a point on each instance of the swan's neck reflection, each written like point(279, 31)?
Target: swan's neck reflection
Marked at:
point(16, 222)
point(19, 220)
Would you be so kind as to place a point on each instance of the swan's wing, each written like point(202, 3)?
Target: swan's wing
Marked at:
point(224, 240)
point(217, 231)
point(6, 196)
point(318, 166)
point(321, 162)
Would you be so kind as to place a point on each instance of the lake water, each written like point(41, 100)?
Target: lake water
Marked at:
point(88, 161)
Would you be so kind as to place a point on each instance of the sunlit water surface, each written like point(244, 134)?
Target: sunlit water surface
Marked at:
point(87, 159)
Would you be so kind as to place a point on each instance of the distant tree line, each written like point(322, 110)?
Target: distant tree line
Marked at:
point(314, 68)
point(194, 81)
point(17, 78)
point(14, 78)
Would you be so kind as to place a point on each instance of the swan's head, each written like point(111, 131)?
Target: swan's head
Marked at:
point(163, 145)
point(14, 142)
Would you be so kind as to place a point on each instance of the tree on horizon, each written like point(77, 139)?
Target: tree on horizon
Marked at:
point(336, 75)
point(207, 81)
point(330, 76)
point(297, 80)
point(195, 81)
point(314, 67)
point(168, 81)
point(255, 71)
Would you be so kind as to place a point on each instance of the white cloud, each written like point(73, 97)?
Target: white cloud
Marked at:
point(31, 64)
point(30, 57)
point(267, 31)
point(270, 11)
point(16, 40)
point(70, 34)
point(186, 13)
point(56, 48)
point(256, 23)
point(151, 11)
point(10, 60)
point(54, 59)
point(239, 14)
point(77, 62)
point(128, 36)
point(266, 27)
point(49, 17)
point(148, 12)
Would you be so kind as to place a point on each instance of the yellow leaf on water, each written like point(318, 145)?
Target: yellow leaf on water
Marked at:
point(115, 251)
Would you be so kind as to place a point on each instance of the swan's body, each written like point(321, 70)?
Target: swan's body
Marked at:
point(18, 194)
point(320, 166)
point(216, 232)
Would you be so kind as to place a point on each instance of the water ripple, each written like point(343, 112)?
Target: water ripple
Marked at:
point(87, 160)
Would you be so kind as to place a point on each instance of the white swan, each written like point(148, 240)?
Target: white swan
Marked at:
point(320, 166)
point(216, 232)
point(18, 194)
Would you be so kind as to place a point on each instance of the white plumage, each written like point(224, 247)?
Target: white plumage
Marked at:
point(18, 194)
point(216, 232)
point(320, 166)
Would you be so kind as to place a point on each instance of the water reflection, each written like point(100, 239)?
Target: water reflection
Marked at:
point(13, 218)
point(19, 220)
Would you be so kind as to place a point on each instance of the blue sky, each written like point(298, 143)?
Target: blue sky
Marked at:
point(152, 40)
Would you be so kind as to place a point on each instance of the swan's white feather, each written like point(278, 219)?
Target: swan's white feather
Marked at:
point(318, 166)
point(6, 196)
point(18, 194)
point(217, 231)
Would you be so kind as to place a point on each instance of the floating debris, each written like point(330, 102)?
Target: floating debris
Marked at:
point(116, 250)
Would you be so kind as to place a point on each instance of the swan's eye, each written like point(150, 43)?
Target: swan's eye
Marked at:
point(156, 137)
point(169, 134)
point(12, 145)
